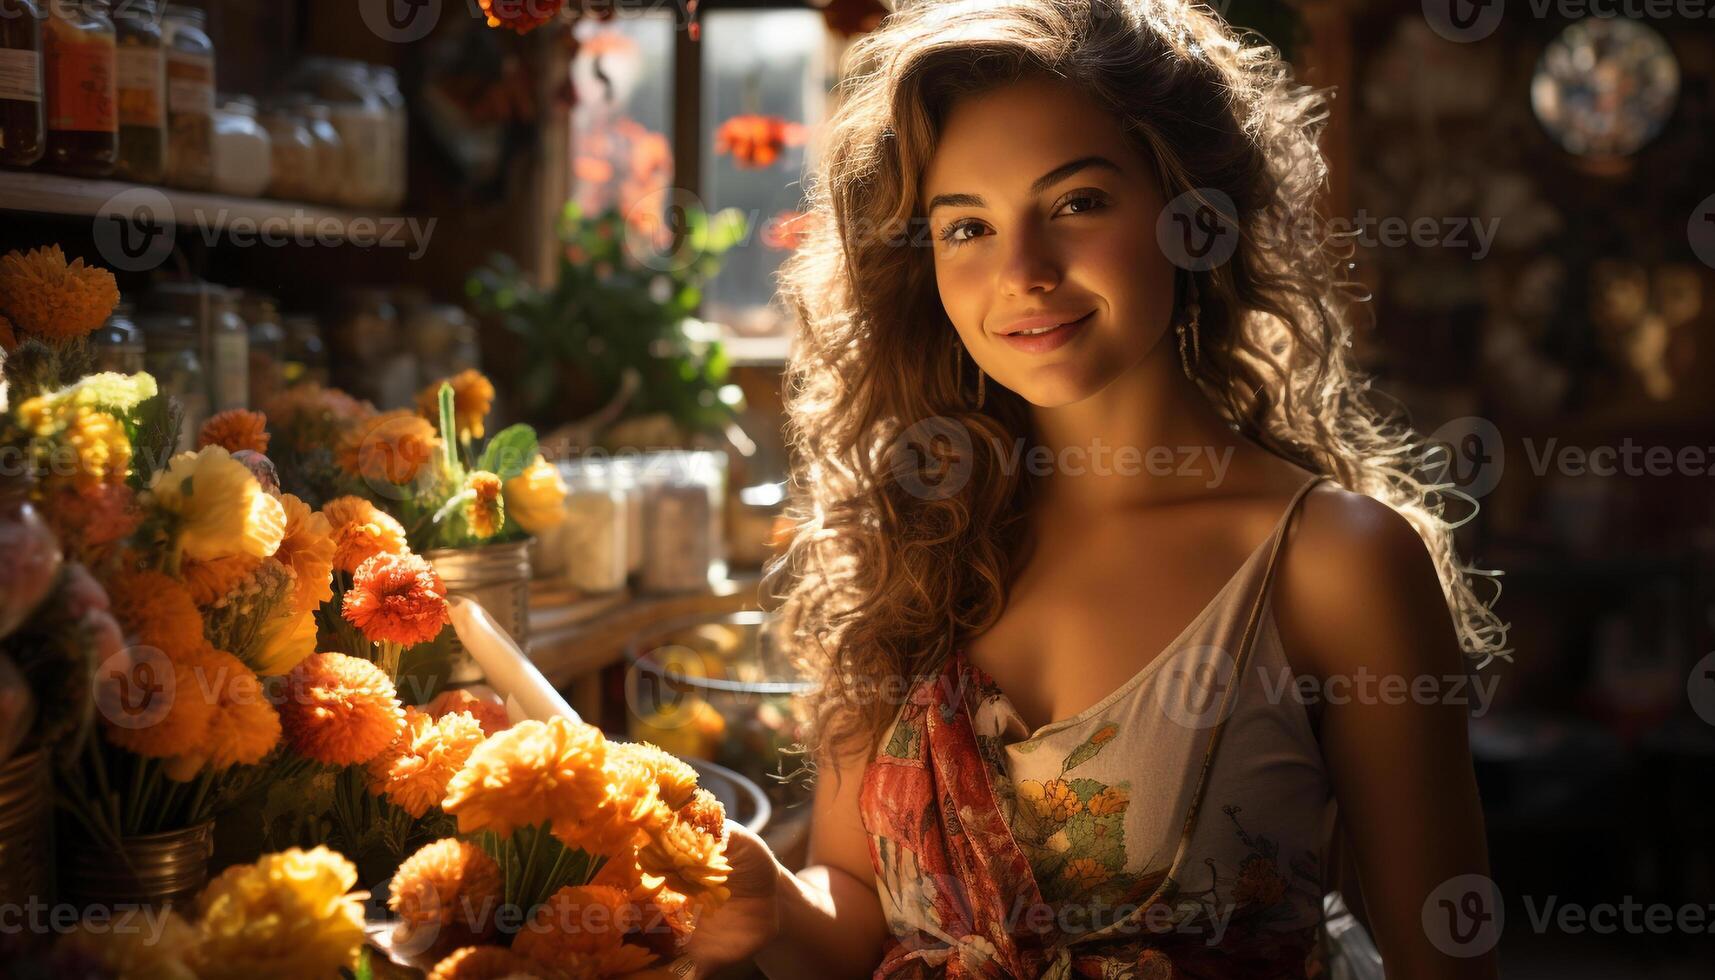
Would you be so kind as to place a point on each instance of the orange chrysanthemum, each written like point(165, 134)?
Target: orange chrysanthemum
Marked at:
point(8, 338)
point(152, 704)
point(484, 512)
point(449, 884)
point(307, 416)
point(674, 776)
point(235, 429)
point(242, 728)
point(339, 710)
point(483, 963)
point(361, 531)
point(532, 773)
point(414, 771)
point(691, 859)
point(631, 806)
point(757, 141)
point(491, 714)
point(308, 550)
point(156, 611)
point(211, 579)
point(397, 599)
point(473, 396)
point(522, 16)
point(392, 447)
point(46, 297)
point(582, 927)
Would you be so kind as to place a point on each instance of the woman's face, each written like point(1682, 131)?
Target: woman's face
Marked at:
point(1040, 214)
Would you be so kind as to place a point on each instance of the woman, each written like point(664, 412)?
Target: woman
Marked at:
point(1074, 361)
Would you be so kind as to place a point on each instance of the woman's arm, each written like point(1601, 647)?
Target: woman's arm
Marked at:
point(1359, 607)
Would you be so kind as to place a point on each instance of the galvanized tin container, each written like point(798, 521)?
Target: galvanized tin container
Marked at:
point(26, 804)
point(498, 577)
point(168, 868)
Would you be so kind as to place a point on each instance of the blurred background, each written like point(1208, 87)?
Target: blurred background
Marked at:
point(374, 195)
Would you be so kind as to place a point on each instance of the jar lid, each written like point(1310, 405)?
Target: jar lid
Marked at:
point(179, 11)
point(170, 325)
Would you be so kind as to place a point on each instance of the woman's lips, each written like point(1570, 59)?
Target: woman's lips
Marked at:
point(1042, 343)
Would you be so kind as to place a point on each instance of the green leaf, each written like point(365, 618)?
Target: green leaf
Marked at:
point(509, 452)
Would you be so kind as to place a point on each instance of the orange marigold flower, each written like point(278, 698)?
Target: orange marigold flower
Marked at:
point(307, 415)
point(449, 884)
point(473, 396)
point(8, 339)
point(490, 714)
point(392, 447)
point(522, 16)
point(156, 611)
point(691, 860)
point(212, 578)
point(414, 771)
point(484, 512)
point(583, 926)
point(339, 710)
point(45, 296)
point(235, 429)
point(674, 776)
point(361, 531)
point(152, 703)
point(308, 550)
point(529, 774)
point(90, 521)
point(631, 805)
point(243, 727)
point(706, 813)
point(483, 963)
point(397, 599)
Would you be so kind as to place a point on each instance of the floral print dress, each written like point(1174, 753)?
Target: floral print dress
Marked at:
point(1117, 843)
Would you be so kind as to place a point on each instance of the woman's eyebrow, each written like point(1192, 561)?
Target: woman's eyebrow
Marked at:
point(1046, 180)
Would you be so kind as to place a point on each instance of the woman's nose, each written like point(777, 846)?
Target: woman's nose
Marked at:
point(1029, 264)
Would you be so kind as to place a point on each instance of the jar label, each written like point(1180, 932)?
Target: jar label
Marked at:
point(20, 75)
point(81, 91)
point(190, 83)
point(141, 82)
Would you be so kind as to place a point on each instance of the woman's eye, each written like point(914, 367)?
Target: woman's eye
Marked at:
point(950, 234)
point(1090, 201)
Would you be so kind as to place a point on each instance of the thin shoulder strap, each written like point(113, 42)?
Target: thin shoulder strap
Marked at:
point(1220, 726)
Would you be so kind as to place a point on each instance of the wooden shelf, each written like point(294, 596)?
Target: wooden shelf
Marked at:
point(54, 194)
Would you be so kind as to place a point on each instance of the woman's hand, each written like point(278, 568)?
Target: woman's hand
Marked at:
point(750, 918)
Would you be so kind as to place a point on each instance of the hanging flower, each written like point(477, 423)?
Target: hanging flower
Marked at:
point(392, 447)
point(536, 497)
point(155, 610)
point(397, 599)
point(491, 714)
point(235, 429)
point(483, 963)
point(581, 929)
point(307, 548)
point(45, 296)
point(221, 508)
point(473, 396)
point(529, 774)
point(522, 16)
point(361, 531)
point(214, 578)
point(414, 771)
point(484, 511)
point(339, 710)
point(242, 728)
point(289, 915)
point(756, 141)
point(449, 884)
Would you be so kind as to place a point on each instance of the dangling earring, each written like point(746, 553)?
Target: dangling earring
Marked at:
point(1188, 325)
point(959, 374)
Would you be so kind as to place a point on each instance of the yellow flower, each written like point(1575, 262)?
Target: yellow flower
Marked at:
point(484, 512)
point(98, 442)
point(1054, 800)
point(392, 447)
point(414, 771)
point(690, 858)
point(581, 929)
point(536, 497)
point(147, 953)
point(1111, 799)
point(632, 805)
point(221, 508)
point(529, 774)
point(450, 884)
point(339, 710)
point(285, 640)
point(360, 532)
point(51, 299)
point(308, 550)
point(289, 915)
point(242, 728)
point(473, 395)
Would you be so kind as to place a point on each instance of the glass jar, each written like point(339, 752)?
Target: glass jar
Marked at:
point(684, 496)
point(23, 128)
point(141, 83)
point(117, 345)
point(243, 152)
point(306, 359)
point(292, 147)
point(385, 81)
point(588, 548)
point(357, 111)
point(79, 62)
point(190, 98)
point(267, 347)
point(224, 340)
point(624, 470)
point(329, 169)
point(174, 358)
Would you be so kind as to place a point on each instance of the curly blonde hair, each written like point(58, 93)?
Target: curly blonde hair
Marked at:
point(879, 583)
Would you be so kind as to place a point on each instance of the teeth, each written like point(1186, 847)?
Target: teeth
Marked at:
point(1032, 333)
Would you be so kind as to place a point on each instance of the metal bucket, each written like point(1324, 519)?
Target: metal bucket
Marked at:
point(26, 799)
point(497, 576)
point(152, 869)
